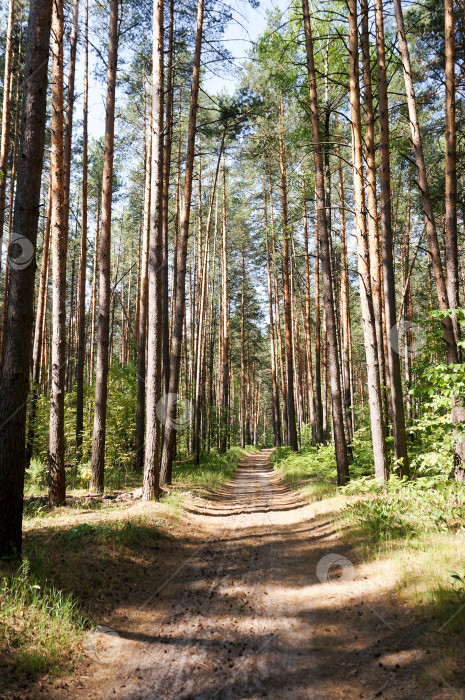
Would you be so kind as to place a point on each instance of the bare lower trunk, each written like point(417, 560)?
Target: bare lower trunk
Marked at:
point(291, 419)
point(169, 443)
point(397, 403)
point(368, 318)
point(56, 446)
point(81, 304)
point(323, 237)
point(345, 313)
point(18, 333)
point(243, 387)
point(101, 388)
point(166, 181)
point(94, 293)
point(276, 417)
point(150, 488)
point(371, 202)
point(308, 333)
point(224, 370)
point(143, 305)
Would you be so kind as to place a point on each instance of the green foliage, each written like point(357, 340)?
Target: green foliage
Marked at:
point(313, 469)
point(120, 433)
point(117, 533)
point(420, 504)
point(214, 468)
point(36, 476)
point(379, 518)
point(40, 626)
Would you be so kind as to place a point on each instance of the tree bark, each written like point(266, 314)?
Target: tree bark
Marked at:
point(150, 487)
point(169, 443)
point(276, 416)
point(395, 377)
point(81, 303)
point(452, 268)
point(166, 182)
point(56, 445)
point(291, 420)
point(368, 319)
point(94, 293)
point(224, 370)
point(101, 383)
point(430, 223)
point(323, 237)
point(371, 201)
point(18, 332)
point(6, 116)
point(11, 200)
point(143, 307)
point(316, 429)
point(68, 134)
point(243, 387)
point(346, 354)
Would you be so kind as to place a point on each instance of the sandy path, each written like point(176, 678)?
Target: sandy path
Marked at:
point(243, 614)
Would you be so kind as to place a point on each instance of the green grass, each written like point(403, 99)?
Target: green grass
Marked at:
point(40, 627)
point(214, 470)
point(114, 533)
point(313, 470)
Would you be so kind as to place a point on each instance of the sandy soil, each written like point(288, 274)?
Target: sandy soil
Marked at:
point(259, 597)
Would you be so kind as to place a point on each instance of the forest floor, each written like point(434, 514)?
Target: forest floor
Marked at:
point(251, 592)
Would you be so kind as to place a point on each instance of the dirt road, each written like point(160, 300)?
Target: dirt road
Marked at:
point(264, 601)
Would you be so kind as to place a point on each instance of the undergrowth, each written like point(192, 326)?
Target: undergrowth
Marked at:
point(40, 626)
point(418, 525)
point(214, 469)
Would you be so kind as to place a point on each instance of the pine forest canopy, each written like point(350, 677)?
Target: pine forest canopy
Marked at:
point(201, 249)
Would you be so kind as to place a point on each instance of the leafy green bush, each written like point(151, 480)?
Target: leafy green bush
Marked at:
point(422, 503)
point(379, 518)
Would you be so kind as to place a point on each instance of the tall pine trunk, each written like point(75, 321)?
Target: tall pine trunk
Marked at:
point(37, 358)
point(56, 445)
point(323, 238)
point(368, 317)
point(6, 115)
point(371, 200)
point(18, 332)
point(430, 223)
point(169, 444)
point(291, 418)
point(81, 302)
point(276, 416)
point(166, 182)
point(346, 350)
point(101, 382)
point(150, 487)
point(397, 402)
point(314, 417)
point(224, 335)
point(143, 306)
